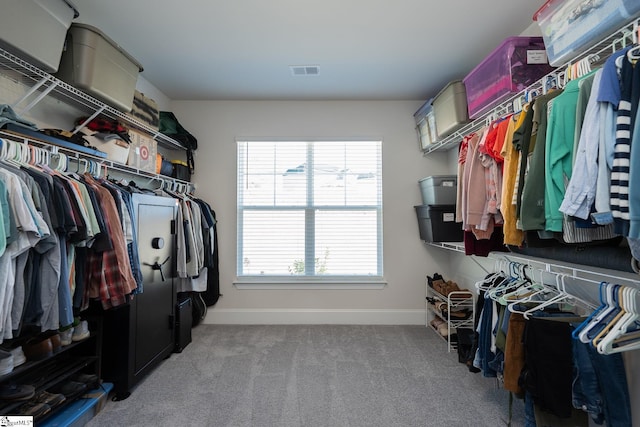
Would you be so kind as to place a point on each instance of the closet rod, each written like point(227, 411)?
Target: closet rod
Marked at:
point(574, 272)
point(76, 156)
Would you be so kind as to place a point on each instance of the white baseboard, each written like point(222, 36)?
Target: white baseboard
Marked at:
point(230, 316)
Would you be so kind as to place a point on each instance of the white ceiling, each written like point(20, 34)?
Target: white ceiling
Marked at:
point(365, 49)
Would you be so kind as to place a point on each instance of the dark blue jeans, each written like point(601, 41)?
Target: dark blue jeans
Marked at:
point(600, 385)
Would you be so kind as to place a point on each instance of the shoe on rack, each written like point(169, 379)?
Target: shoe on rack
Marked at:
point(65, 336)
point(18, 356)
point(38, 348)
point(81, 331)
point(91, 380)
point(6, 362)
point(436, 323)
point(34, 409)
point(443, 329)
point(69, 388)
point(51, 399)
point(460, 315)
point(13, 392)
point(56, 340)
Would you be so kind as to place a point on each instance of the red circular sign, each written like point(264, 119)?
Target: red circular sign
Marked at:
point(144, 152)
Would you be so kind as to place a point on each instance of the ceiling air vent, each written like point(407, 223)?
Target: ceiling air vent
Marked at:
point(305, 70)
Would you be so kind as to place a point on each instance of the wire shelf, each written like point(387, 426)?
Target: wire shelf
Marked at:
point(44, 83)
point(596, 54)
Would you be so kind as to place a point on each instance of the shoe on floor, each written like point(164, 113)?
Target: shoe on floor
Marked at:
point(81, 331)
point(6, 362)
point(15, 392)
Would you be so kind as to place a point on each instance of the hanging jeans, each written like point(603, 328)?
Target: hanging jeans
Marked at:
point(600, 385)
point(484, 355)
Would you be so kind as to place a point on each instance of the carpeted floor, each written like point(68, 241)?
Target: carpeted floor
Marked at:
point(313, 375)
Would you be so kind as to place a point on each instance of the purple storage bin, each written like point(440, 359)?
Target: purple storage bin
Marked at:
point(512, 67)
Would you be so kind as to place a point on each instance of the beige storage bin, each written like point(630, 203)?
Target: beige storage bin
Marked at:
point(426, 125)
point(94, 63)
point(450, 109)
point(116, 149)
point(35, 30)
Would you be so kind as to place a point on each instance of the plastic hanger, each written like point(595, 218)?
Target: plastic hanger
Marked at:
point(603, 304)
point(619, 339)
point(619, 316)
point(611, 305)
point(526, 292)
point(514, 280)
point(560, 297)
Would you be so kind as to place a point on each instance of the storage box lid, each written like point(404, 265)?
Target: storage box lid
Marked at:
point(110, 41)
point(72, 6)
point(423, 110)
point(440, 180)
point(459, 85)
point(535, 43)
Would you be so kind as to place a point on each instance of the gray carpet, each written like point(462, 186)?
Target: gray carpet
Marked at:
point(313, 375)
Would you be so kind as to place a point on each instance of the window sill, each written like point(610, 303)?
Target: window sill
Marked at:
point(263, 283)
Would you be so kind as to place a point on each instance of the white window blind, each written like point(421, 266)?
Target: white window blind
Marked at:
point(309, 209)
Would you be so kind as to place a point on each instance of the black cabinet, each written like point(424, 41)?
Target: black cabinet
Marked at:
point(140, 334)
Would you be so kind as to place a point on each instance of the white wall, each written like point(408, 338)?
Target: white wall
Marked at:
point(217, 124)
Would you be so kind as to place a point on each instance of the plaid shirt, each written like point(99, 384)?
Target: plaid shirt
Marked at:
point(110, 276)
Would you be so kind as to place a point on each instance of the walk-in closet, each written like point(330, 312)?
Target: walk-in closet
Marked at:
point(320, 213)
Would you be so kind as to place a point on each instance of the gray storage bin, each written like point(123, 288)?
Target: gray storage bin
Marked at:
point(426, 125)
point(35, 30)
point(450, 109)
point(93, 62)
point(439, 189)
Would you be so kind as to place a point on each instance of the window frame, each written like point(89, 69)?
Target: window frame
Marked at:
point(294, 281)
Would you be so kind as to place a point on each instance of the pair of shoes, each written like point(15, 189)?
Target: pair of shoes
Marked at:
point(6, 362)
point(443, 329)
point(69, 388)
point(51, 399)
point(38, 348)
point(436, 323)
point(34, 409)
point(14, 392)
point(91, 380)
point(436, 277)
point(81, 331)
point(460, 315)
point(56, 341)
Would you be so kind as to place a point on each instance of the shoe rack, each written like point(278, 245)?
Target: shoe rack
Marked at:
point(47, 370)
point(446, 313)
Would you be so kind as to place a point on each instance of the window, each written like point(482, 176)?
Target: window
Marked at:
point(309, 210)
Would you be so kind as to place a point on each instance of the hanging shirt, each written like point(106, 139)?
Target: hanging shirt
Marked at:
point(512, 236)
point(609, 98)
point(559, 152)
point(581, 191)
point(619, 200)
